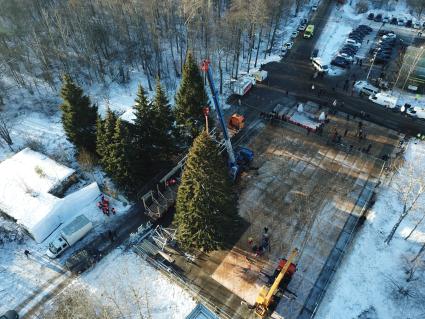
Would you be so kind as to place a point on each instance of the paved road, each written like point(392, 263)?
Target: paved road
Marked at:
point(294, 74)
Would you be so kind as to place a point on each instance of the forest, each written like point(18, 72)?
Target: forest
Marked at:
point(99, 41)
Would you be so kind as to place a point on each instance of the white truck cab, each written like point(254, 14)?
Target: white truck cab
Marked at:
point(69, 235)
point(384, 99)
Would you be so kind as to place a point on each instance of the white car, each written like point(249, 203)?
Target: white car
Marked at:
point(289, 45)
point(386, 19)
point(401, 21)
point(302, 27)
point(353, 42)
point(294, 34)
point(389, 36)
point(314, 8)
point(283, 53)
point(416, 25)
point(346, 57)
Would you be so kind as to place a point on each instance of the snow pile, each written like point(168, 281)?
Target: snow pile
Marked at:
point(372, 279)
point(132, 286)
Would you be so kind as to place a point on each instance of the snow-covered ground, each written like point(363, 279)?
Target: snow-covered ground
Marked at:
point(127, 281)
point(371, 281)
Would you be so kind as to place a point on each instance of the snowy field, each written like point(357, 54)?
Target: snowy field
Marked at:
point(372, 281)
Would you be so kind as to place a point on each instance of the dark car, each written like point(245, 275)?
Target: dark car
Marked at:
point(356, 34)
point(341, 62)
point(394, 20)
point(10, 314)
point(361, 30)
point(350, 48)
point(314, 54)
point(409, 23)
point(384, 32)
point(366, 27)
point(350, 53)
point(378, 18)
point(371, 16)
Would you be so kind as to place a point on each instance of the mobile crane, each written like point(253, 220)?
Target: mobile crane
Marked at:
point(244, 155)
point(266, 295)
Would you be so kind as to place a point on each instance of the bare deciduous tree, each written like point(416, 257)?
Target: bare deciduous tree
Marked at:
point(5, 133)
point(409, 186)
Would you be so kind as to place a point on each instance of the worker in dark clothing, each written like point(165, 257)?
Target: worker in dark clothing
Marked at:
point(27, 253)
point(345, 132)
point(111, 236)
point(113, 210)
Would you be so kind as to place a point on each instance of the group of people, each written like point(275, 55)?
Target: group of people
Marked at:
point(103, 205)
point(264, 244)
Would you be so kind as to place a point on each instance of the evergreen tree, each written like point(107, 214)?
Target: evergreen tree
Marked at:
point(206, 212)
point(163, 126)
point(105, 130)
point(190, 100)
point(119, 165)
point(79, 116)
point(142, 137)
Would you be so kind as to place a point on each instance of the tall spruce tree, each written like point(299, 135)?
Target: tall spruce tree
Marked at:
point(79, 116)
point(190, 100)
point(142, 137)
point(163, 126)
point(206, 212)
point(105, 131)
point(118, 157)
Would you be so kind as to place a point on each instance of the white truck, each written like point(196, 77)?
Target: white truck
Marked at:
point(260, 76)
point(384, 99)
point(243, 85)
point(69, 235)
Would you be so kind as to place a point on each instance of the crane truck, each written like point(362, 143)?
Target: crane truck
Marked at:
point(243, 155)
point(266, 296)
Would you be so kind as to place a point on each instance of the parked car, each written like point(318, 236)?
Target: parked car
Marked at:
point(401, 22)
point(365, 88)
point(283, 52)
point(409, 23)
point(304, 21)
point(289, 45)
point(345, 56)
point(302, 27)
point(341, 62)
point(371, 16)
point(383, 32)
point(416, 25)
point(357, 38)
point(378, 17)
point(10, 314)
point(366, 27)
point(394, 20)
point(386, 19)
point(353, 42)
point(294, 34)
point(314, 8)
point(348, 52)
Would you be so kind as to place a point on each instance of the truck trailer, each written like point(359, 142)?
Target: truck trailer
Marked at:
point(69, 235)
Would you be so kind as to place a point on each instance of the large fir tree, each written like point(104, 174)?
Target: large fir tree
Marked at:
point(206, 212)
point(118, 162)
point(142, 137)
point(105, 130)
point(79, 116)
point(190, 100)
point(163, 126)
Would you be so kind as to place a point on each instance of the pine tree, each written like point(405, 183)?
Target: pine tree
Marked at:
point(79, 116)
point(190, 100)
point(206, 211)
point(119, 165)
point(163, 126)
point(100, 137)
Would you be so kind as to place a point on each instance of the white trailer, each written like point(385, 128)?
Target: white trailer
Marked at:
point(69, 235)
point(243, 85)
point(384, 99)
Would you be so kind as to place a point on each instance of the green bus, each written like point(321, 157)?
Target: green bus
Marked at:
point(308, 33)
